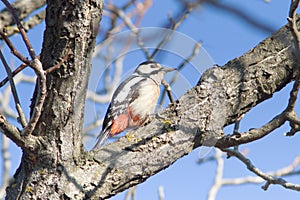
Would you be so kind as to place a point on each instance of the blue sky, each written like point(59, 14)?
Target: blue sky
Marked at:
point(224, 36)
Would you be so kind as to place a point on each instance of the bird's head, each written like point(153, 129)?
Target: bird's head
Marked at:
point(152, 70)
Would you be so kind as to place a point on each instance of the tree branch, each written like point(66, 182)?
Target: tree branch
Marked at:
point(286, 171)
point(11, 132)
point(242, 14)
point(23, 7)
point(219, 175)
point(180, 67)
point(28, 24)
point(15, 72)
point(293, 25)
point(40, 97)
point(222, 96)
point(253, 134)
point(6, 162)
point(174, 26)
point(19, 109)
point(35, 64)
point(13, 49)
point(270, 179)
point(21, 29)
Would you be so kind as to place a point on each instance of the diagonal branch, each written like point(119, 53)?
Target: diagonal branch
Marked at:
point(40, 97)
point(270, 179)
point(175, 25)
point(6, 162)
point(242, 14)
point(13, 49)
point(35, 64)
point(14, 92)
point(222, 96)
point(253, 134)
point(292, 23)
point(15, 72)
point(23, 7)
point(21, 29)
point(285, 171)
point(195, 51)
point(219, 175)
point(120, 13)
point(28, 24)
point(11, 132)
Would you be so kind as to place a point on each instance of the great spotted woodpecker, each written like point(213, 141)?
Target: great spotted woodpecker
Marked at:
point(133, 101)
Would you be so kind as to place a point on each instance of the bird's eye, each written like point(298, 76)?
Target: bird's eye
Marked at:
point(153, 66)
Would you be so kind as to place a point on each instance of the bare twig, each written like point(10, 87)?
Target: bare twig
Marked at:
point(242, 14)
point(294, 92)
point(218, 177)
point(253, 134)
point(24, 8)
point(293, 25)
point(180, 66)
point(11, 131)
point(175, 25)
point(22, 118)
point(291, 115)
point(109, 90)
point(161, 193)
point(21, 29)
point(41, 95)
point(29, 24)
point(142, 8)
point(5, 107)
point(237, 125)
point(6, 162)
point(13, 49)
point(141, 45)
point(169, 91)
point(206, 159)
point(139, 11)
point(15, 72)
point(130, 193)
point(236, 129)
point(93, 125)
point(295, 33)
point(58, 65)
point(269, 178)
point(98, 98)
point(131, 26)
point(35, 64)
point(219, 181)
point(294, 123)
point(128, 4)
point(285, 171)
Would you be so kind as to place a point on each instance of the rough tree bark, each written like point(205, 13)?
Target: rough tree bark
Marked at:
point(61, 169)
point(71, 28)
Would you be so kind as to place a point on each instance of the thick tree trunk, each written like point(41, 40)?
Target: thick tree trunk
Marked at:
point(71, 28)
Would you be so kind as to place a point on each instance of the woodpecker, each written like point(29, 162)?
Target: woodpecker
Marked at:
point(133, 100)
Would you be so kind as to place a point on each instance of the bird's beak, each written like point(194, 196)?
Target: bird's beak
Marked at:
point(168, 69)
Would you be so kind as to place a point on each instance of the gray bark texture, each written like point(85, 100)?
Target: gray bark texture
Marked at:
point(71, 28)
point(61, 168)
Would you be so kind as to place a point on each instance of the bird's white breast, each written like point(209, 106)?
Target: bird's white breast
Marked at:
point(147, 100)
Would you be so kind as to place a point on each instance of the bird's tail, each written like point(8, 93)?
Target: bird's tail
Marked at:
point(101, 139)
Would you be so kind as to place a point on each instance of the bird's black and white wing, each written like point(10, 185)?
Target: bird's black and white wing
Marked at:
point(125, 93)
